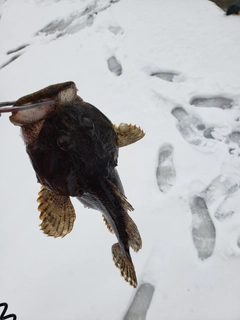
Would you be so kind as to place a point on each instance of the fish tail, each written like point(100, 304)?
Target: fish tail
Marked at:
point(125, 265)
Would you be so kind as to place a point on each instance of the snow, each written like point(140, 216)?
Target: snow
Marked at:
point(74, 277)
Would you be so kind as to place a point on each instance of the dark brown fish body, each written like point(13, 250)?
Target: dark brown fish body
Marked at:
point(75, 155)
point(74, 148)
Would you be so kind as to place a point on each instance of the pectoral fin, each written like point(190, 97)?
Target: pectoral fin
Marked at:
point(56, 212)
point(128, 134)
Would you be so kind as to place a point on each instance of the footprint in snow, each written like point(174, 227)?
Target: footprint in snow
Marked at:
point(216, 133)
point(233, 141)
point(190, 127)
point(141, 302)
point(165, 172)
point(220, 186)
point(17, 49)
point(228, 207)
point(77, 20)
point(213, 102)
point(13, 55)
point(235, 137)
point(238, 241)
point(13, 58)
point(221, 133)
point(165, 75)
point(208, 133)
point(203, 229)
point(115, 29)
point(226, 187)
point(114, 66)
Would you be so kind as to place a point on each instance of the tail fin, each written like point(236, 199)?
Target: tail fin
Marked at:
point(125, 265)
point(56, 212)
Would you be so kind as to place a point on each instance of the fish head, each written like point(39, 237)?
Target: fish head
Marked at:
point(59, 95)
point(51, 98)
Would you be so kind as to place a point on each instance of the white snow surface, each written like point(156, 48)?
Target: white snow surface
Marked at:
point(74, 277)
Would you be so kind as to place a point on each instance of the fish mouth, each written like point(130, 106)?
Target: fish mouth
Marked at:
point(5, 106)
point(36, 106)
point(28, 114)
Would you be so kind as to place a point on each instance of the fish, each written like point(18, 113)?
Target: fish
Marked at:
point(74, 148)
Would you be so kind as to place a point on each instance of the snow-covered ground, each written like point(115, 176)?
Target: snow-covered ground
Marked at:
point(172, 67)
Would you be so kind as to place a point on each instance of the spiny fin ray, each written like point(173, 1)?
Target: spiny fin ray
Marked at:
point(128, 134)
point(135, 241)
point(125, 204)
point(107, 224)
